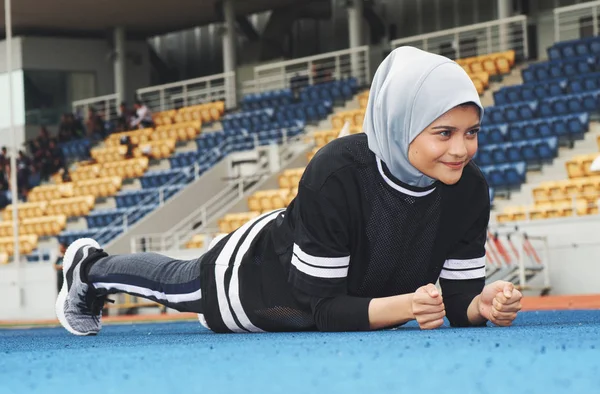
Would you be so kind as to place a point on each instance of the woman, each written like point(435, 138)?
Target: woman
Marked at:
point(378, 219)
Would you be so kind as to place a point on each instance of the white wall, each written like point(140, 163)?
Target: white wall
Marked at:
point(39, 290)
point(90, 55)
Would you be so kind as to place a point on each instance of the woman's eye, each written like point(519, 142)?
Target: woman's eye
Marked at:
point(445, 133)
point(473, 132)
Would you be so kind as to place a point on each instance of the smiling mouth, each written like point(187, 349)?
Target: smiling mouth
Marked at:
point(454, 165)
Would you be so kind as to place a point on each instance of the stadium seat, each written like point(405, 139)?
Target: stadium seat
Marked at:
point(27, 243)
point(99, 187)
point(290, 178)
point(233, 221)
point(50, 192)
point(26, 210)
point(40, 226)
point(73, 206)
point(197, 242)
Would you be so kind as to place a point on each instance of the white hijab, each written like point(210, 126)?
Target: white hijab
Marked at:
point(410, 90)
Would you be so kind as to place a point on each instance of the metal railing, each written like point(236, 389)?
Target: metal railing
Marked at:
point(474, 40)
point(518, 257)
point(105, 106)
point(576, 21)
point(176, 237)
point(219, 87)
point(353, 62)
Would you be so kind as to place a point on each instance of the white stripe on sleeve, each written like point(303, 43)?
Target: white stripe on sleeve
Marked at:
point(325, 273)
point(455, 264)
point(463, 275)
point(321, 262)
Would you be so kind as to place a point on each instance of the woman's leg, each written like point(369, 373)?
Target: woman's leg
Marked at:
point(91, 275)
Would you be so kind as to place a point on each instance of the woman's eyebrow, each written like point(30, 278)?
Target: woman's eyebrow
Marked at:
point(454, 128)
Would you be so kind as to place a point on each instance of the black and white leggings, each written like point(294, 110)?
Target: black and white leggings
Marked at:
point(170, 282)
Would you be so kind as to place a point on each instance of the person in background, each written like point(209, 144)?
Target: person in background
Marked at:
point(143, 116)
point(124, 119)
point(94, 125)
point(58, 265)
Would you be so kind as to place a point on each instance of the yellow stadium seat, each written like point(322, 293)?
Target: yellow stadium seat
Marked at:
point(100, 187)
point(86, 172)
point(574, 169)
point(363, 99)
point(136, 136)
point(586, 206)
point(50, 192)
point(541, 193)
point(538, 211)
point(556, 190)
point(26, 210)
point(503, 65)
point(586, 163)
point(476, 66)
point(479, 86)
point(563, 208)
point(44, 226)
point(27, 243)
point(73, 206)
point(489, 65)
point(196, 242)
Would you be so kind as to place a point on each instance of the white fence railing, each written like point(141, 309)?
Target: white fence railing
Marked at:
point(219, 87)
point(353, 62)
point(474, 40)
point(105, 106)
point(576, 21)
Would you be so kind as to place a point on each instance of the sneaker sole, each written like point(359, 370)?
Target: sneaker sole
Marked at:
point(62, 295)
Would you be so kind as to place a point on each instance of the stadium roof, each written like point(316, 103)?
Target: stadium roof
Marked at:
point(142, 18)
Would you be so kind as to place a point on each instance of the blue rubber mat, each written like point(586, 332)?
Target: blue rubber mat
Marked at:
point(544, 352)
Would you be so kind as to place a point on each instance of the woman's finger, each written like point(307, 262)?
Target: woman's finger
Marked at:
point(503, 323)
point(431, 317)
point(503, 315)
point(432, 324)
point(424, 298)
point(513, 307)
point(423, 309)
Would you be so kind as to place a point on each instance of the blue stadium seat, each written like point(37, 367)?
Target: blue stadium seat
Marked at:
point(560, 68)
point(76, 149)
point(510, 112)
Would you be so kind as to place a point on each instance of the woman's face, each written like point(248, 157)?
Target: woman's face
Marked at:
point(445, 147)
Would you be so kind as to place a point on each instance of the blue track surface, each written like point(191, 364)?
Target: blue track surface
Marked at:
point(544, 352)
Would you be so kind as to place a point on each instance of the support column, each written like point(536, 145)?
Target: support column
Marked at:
point(504, 11)
point(355, 18)
point(120, 63)
point(229, 52)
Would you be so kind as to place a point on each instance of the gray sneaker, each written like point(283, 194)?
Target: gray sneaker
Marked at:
point(78, 308)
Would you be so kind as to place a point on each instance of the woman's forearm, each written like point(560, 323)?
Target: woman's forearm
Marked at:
point(390, 311)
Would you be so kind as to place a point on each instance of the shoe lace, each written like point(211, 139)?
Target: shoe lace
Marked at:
point(91, 304)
